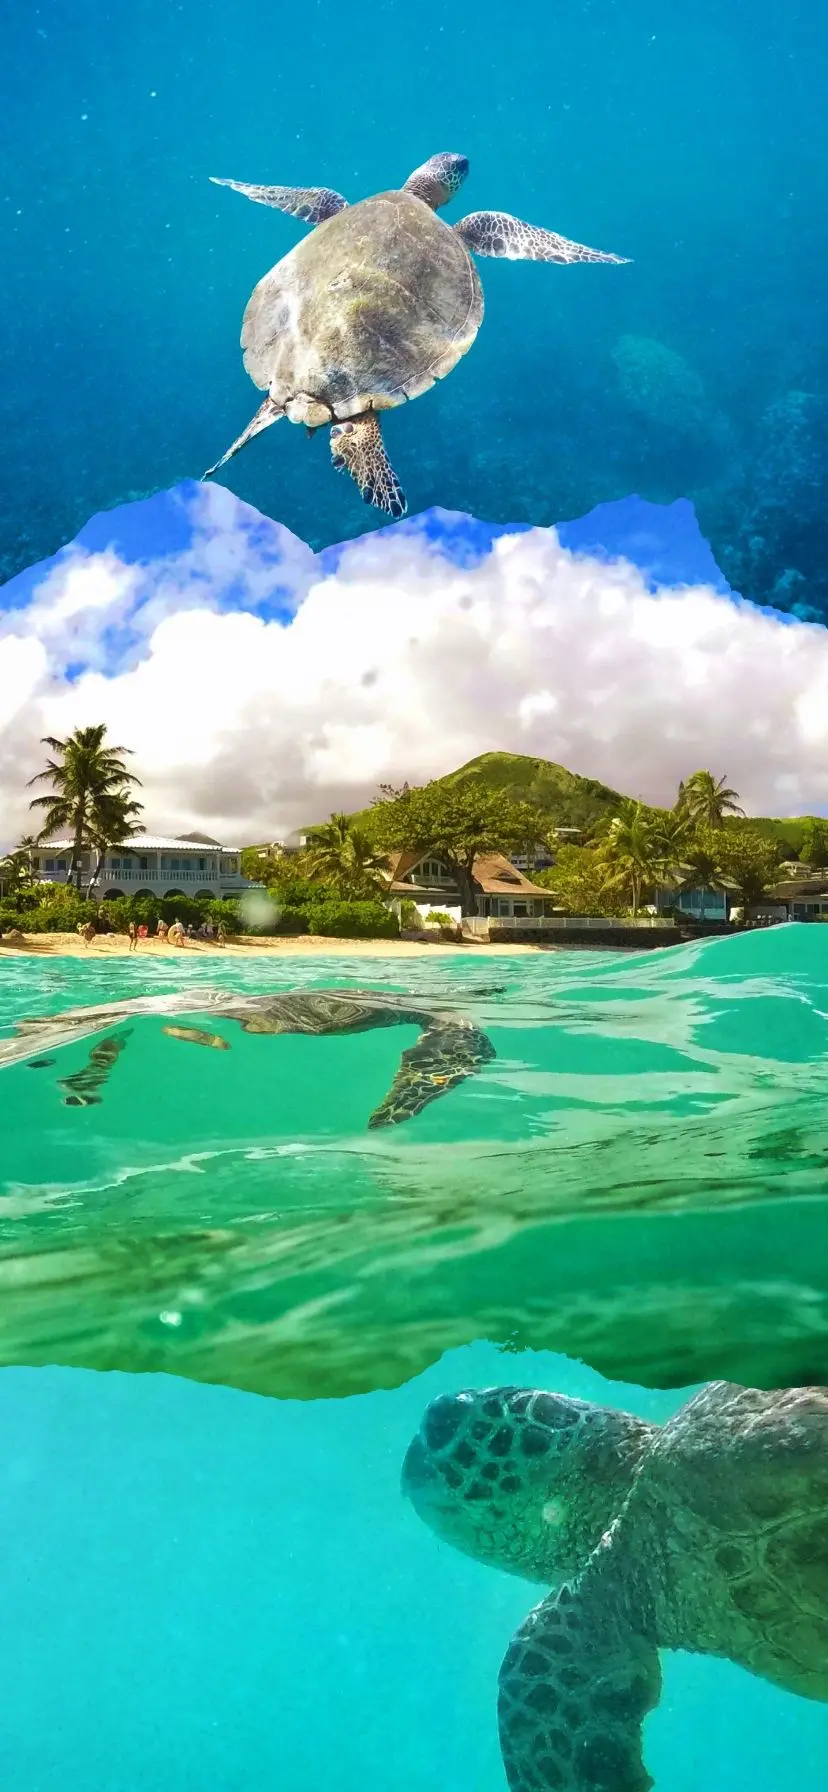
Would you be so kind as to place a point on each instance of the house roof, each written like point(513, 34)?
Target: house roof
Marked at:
point(145, 843)
point(494, 875)
point(796, 887)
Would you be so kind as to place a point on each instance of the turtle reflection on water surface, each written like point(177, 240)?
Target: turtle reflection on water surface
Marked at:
point(449, 1049)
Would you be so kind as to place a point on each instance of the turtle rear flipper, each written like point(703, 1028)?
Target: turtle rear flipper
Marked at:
point(576, 1684)
point(443, 1056)
point(357, 448)
point(267, 413)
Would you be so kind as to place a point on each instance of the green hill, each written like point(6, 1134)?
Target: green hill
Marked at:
point(566, 800)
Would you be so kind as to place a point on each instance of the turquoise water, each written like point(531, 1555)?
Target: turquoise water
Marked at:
point(209, 1590)
point(690, 139)
point(619, 1183)
point(204, 1587)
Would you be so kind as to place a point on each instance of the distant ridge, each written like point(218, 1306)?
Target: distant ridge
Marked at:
point(567, 800)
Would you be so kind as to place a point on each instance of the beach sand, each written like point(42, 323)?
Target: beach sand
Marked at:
point(116, 945)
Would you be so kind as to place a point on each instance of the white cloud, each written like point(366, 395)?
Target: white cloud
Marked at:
point(399, 664)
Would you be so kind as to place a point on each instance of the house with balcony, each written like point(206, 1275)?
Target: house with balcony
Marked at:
point(501, 889)
point(149, 865)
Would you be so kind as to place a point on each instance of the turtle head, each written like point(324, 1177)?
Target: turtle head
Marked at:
point(524, 1480)
point(438, 179)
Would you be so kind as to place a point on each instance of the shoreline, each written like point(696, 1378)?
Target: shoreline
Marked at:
point(116, 945)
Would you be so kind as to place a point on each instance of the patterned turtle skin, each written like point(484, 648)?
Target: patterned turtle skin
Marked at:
point(449, 1049)
point(708, 1534)
point(377, 303)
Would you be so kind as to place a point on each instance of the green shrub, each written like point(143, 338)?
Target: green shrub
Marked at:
point(224, 913)
point(146, 911)
point(340, 920)
point(409, 914)
point(46, 909)
point(439, 917)
point(295, 891)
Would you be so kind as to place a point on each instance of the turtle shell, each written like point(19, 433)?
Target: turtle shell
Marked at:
point(740, 1477)
point(368, 310)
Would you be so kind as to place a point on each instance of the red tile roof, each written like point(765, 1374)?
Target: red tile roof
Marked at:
point(494, 875)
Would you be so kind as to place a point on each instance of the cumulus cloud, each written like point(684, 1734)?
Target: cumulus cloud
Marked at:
point(260, 687)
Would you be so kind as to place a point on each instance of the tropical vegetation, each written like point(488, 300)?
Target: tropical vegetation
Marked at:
point(498, 803)
point(457, 824)
point(91, 796)
point(340, 856)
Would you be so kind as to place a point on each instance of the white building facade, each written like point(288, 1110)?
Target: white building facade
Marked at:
point(149, 865)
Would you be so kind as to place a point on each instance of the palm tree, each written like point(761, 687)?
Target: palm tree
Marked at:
point(705, 802)
point(340, 854)
point(115, 821)
point(16, 867)
point(636, 852)
point(91, 791)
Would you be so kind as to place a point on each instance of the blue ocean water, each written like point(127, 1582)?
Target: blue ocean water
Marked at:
point(691, 140)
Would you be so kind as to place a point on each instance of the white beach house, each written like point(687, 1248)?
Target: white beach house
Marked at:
point(150, 865)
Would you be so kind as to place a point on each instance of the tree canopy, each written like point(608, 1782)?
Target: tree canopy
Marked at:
point(457, 825)
point(581, 883)
point(705, 800)
point(341, 855)
point(815, 844)
point(636, 852)
point(91, 796)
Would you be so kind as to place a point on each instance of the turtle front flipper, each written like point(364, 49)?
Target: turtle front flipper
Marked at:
point(312, 204)
point(267, 413)
point(444, 1055)
point(576, 1684)
point(499, 234)
point(358, 448)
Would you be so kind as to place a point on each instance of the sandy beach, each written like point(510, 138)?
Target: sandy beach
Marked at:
point(116, 945)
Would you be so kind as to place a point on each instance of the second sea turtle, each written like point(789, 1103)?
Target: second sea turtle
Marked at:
point(707, 1534)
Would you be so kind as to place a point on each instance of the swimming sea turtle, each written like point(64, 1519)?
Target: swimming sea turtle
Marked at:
point(709, 1533)
point(449, 1049)
point(381, 300)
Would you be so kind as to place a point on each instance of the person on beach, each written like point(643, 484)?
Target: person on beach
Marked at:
point(220, 934)
point(161, 930)
point(133, 936)
point(86, 929)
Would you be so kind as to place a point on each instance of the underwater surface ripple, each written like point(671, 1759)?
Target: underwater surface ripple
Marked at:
point(619, 1184)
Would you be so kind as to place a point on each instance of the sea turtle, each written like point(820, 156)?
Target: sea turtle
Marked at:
point(381, 300)
point(708, 1533)
point(449, 1049)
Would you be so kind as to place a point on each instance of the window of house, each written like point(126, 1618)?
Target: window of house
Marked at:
point(61, 864)
point(520, 908)
point(144, 864)
point(50, 865)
